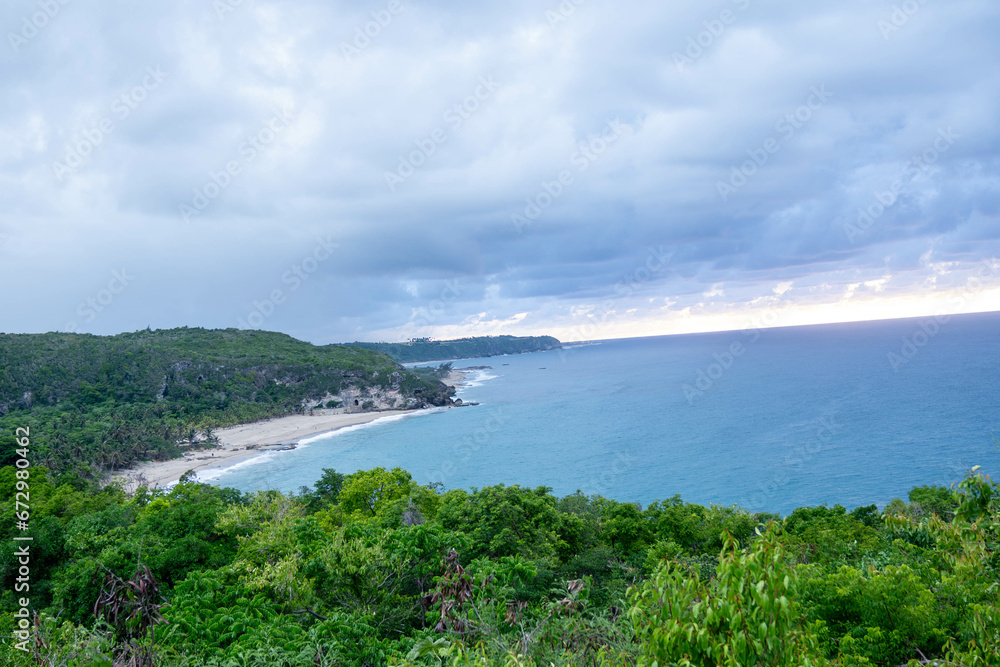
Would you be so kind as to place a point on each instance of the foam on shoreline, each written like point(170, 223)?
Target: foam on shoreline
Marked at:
point(214, 472)
point(250, 444)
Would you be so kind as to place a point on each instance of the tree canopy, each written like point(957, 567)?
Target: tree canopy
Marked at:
point(371, 568)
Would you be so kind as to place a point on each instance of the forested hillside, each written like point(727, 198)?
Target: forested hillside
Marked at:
point(462, 348)
point(105, 401)
point(373, 569)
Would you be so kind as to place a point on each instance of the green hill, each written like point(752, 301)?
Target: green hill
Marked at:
point(106, 401)
point(462, 348)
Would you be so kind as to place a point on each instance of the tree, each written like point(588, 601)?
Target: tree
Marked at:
point(367, 492)
point(508, 521)
point(326, 493)
point(744, 617)
point(625, 527)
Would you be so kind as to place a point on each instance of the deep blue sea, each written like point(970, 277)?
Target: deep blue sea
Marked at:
point(770, 419)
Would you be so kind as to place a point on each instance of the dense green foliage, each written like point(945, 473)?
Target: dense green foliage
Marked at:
point(100, 402)
point(373, 569)
point(462, 348)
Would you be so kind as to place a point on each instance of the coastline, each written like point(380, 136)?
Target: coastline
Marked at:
point(239, 443)
point(246, 441)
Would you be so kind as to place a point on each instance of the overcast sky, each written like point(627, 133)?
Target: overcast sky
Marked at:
point(380, 170)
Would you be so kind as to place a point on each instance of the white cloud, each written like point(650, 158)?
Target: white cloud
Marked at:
point(715, 291)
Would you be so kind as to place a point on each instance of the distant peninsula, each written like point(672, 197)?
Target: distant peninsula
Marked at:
point(426, 349)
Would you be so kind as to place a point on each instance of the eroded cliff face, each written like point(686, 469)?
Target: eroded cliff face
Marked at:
point(367, 399)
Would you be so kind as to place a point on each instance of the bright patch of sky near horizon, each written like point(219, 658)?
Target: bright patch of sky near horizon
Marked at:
point(267, 164)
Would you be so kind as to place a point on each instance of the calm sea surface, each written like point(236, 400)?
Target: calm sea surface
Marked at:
point(771, 419)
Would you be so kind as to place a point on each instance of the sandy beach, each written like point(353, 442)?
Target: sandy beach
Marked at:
point(238, 443)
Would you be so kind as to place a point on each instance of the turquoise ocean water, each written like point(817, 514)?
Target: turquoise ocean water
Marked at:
point(770, 419)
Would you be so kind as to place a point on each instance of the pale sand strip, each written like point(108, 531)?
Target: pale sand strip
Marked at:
point(238, 443)
point(455, 378)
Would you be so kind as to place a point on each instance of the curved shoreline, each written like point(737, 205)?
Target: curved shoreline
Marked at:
point(239, 443)
point(246, 441)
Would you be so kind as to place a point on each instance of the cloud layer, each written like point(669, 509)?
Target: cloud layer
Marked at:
point(342, 171)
